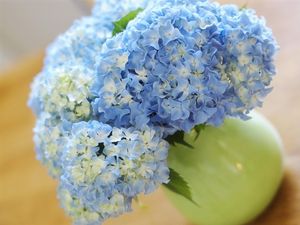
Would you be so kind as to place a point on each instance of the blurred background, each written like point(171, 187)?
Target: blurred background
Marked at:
point(28, 194)
point(27, 26)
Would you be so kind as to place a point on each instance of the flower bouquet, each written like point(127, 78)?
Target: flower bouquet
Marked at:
point(135, 96)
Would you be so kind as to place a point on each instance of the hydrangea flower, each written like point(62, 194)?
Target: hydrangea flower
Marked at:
point(80, 44)
point(64, 92)
point(104, 168)
point(184, 63)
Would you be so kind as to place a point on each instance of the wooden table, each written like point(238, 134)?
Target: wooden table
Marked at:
point(28, 194)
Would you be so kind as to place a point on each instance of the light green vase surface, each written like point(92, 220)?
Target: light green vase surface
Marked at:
point(233, 172)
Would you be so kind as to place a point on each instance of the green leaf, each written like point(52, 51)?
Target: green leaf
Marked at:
point(178, 138)
point(121, 24)
point(199, 128)
point(179, 186)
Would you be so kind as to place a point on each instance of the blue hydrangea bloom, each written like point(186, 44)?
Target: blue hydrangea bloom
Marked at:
point(80, 44)
point(184, 63)
point(64, 92)
point(104, 168)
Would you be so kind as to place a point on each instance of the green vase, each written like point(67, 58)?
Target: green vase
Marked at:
point(233, 171)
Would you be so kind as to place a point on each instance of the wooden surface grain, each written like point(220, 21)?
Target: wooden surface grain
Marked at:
point(28, 194)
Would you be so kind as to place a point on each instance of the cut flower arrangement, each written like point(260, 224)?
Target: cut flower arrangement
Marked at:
point(122, 86)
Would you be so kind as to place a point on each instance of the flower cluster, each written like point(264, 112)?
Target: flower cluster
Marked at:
point(177, 66)
point(106, 103)
point(80, 44)
point(104, 168)
point(64, 92)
